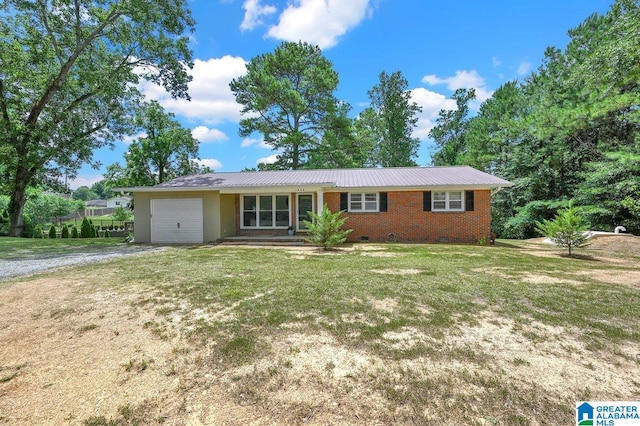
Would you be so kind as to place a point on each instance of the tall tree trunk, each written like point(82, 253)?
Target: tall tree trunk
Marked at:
point(16, 207)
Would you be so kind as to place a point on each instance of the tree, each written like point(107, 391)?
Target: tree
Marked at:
point(119, 213)
point(325, 229)
point(102, 189)
point(610, 191)
point(567, 229)
point(52, 231)
point(167, 151)
point(450, 130)
point(41, 207)
point(288, 96)
point(340, 147)
point(87, 230)
point(84, 193)
point(394, 118)
point(68, 80)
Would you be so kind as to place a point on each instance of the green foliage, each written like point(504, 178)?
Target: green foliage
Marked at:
point(74, 232)
point(4, 215)
point(87, 229)
point(167, 151)
point(523, 223)
point(70, 72)
point(52, 232)
point(37, 232)
point(610, 189)
point(40, 207)
point(289, 96)
point(567, 229)
point(121, 214)
point(102, 189)
point(84, 194)
point(450, 130)
point(325, 229)
point(571, 130)
point(65, 231)
point(107, 234)
point(395, 118)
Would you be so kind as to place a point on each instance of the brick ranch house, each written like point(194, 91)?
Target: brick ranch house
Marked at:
point(407, 204)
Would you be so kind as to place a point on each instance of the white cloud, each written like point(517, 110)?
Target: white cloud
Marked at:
point(431, 103)
point(247, 142)
point(524, 68)
point(268, 160)
point(129, 139)
point(496, 61)
point(320, 22)
point(205, 134)
point(86, 180)
point(211, 163)
point(462, 80)
point(211, 98)
point(253, 12)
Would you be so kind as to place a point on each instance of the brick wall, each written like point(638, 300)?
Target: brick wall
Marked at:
point(404, 218)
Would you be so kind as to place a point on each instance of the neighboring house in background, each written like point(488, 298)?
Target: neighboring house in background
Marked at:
point(408, 204)
point(96, 204)
point(96, 208)
point(121, 201)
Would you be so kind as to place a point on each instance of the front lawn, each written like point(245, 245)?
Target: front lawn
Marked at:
point(29, 248)
point(370, 334)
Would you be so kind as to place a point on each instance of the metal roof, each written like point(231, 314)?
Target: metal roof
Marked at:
point(388, 177)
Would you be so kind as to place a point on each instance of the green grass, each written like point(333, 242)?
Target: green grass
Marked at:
point(29, 248)
point(247, 298)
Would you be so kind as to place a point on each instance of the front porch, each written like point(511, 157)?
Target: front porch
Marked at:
point(266, 240)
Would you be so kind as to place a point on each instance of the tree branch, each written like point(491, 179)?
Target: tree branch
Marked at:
point(54, 42)
point(53, 88)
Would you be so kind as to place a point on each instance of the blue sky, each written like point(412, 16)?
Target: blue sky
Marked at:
point(438, 46)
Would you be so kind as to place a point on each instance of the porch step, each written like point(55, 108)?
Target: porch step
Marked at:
point(276, 240)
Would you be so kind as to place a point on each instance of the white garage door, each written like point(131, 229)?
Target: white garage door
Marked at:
point(176, 221)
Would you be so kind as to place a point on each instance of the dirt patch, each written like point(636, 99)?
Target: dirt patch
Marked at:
point(605, 247)
point(80, 355)
point(628, 278)
point(553, 359)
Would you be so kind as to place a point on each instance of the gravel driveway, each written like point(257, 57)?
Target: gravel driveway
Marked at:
point(19, 267)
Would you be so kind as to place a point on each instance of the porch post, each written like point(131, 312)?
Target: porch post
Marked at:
point(320, 202)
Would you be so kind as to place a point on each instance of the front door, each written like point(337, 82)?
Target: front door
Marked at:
point(305, 205)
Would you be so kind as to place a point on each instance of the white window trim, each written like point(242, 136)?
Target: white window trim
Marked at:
point(447, 202)
point(363, 210)
point(273, 210)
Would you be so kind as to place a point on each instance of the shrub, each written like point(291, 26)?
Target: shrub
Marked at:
point(121, 214)
point(567, 229)
point(326, 228)
point(65, 232)
point(74, 232)
point(106, 234)
point(86, 229)
point(52, 231)
point(37, 232)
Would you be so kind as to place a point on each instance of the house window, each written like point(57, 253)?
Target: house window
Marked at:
point(447, 201)
point(363, 202)
point(265, 211)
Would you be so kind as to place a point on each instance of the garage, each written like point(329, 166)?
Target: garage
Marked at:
point(176, 221)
